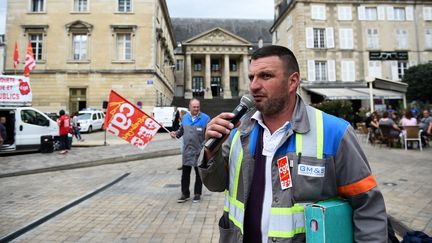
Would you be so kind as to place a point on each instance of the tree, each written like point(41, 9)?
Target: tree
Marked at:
point(419, 80)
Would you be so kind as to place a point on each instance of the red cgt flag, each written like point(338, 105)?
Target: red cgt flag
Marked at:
point(16, 55)
point(30, 62)
point(128, 122)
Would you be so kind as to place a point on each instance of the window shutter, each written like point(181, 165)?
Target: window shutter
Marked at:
point(361, 12)
point(314, 12)
point(349, 38)
point(344, 70)
point(394, 70)
point(409, 13)
point(329, 37)
point(311, 70)
point(289, 42)
point(352, 73)
point(381, 12)
point(341, 13)
point(331, 70)
point(378, 72)
point(427, 13)
point(390, 13)
point(348, 70)
point(309, 37)
point(322, 10)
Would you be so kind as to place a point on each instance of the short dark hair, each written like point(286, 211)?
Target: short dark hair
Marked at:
point(62, 112)
point(285, 54)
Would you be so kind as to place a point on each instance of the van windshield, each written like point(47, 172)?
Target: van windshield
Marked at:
point(85, 116)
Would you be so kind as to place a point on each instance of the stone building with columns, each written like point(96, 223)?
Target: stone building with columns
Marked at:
point(212, 55)
point(83, 49)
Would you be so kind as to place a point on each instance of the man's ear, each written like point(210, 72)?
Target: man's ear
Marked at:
point(293, 81)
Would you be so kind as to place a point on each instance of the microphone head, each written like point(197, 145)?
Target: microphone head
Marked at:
point(248, 101)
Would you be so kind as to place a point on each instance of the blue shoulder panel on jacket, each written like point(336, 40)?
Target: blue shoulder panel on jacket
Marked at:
point(334, 129)
point(201, 121)
point(253, 138)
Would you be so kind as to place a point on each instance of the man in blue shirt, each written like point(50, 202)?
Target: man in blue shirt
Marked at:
point(192, 130)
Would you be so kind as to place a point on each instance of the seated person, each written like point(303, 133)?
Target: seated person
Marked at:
point(424, 125)
point(386, 121)
point(408, 119)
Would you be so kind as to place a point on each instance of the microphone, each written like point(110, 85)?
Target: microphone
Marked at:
point(246, 102)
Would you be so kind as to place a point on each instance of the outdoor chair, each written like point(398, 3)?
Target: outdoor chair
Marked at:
point(363, 131)
point(386, 136)
point(412, 133)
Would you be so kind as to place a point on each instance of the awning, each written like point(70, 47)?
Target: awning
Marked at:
point(354, 93)
point(382, 94)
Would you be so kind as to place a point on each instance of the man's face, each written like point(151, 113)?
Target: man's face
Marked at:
point(3, 120)
point(426, 113)
point(194, 107)
point(270, 85)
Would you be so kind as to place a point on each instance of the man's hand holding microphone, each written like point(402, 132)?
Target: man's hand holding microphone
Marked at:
point(219, 127)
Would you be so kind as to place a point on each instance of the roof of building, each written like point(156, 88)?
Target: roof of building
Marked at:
point(249, 29)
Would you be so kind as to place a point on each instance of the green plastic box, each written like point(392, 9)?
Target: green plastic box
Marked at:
point(329, 222)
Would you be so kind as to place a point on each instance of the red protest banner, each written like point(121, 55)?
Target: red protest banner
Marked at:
point(128, 122)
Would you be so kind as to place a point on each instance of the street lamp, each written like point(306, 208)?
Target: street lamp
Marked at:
point(370, 80)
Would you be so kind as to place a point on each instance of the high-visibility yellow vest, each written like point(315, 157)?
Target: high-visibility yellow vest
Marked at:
point(285, 222)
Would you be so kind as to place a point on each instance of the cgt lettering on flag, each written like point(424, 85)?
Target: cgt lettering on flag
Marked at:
point(128, 122)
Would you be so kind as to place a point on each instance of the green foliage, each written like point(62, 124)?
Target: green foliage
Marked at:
point(419, 80)
point(339, 108)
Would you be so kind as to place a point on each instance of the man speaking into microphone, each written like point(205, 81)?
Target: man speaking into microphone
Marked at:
point(283, 154)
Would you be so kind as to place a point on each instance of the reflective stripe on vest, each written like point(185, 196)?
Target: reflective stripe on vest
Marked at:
point(234, 207)
point(312, 143)
point(284, 222)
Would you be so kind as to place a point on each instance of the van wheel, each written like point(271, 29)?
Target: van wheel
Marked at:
point(90, 130)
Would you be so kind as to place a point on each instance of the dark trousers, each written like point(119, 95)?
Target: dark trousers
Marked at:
point(64, 142)
point(185, 181)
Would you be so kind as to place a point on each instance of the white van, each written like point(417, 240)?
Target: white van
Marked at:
point(24, 127)
point(91, 120)
point(165, 115)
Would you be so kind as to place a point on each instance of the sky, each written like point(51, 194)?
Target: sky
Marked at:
point(234, 9)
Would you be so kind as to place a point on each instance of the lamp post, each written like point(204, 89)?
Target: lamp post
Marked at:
point(370, 81)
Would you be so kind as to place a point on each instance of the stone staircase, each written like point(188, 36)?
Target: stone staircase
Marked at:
point(211, 107)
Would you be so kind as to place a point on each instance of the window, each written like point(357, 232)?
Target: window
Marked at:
point(319, 38)
point(197, 65)
point(320, 71)
point(34, 118)
point(36, 42)
point(402, 66)
point(79, 47)
point(346, 38)
point(428, 36)
point(374, 69)
point(399, 14)
point(80, 6)
point(124, 46)
point(427, 13)
point(348, 70)
point(124, 5)
point(318, 12)
point(371, 13)
point(401, 39)
point(290, 42)
point(215, 65)
point(179, 65)
point(233, 65)
point(289, 21)
point(372, 39)
point(37, 6)
point(344, 13)
point(198, 86)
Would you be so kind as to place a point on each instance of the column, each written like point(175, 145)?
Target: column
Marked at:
point(226, 79)
point(208, 92)
point(244, 79)
point(188, 80)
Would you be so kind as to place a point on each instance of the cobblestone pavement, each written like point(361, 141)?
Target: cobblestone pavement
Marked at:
point(142, 207)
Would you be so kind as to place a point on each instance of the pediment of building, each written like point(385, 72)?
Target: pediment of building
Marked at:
point(217, 36)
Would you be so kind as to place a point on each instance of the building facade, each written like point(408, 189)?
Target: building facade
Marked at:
point(212, 55)
point(341, 45)
point(85, 48)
